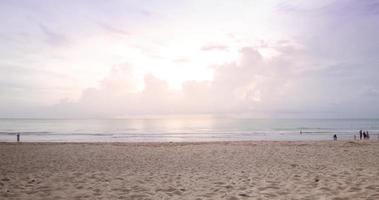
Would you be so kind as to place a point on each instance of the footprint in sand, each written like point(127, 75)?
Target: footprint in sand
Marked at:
point(243, 195)
point(5, 179)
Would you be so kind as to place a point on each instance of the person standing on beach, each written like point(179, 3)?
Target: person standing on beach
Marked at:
point(335, 137)
point(360, 134)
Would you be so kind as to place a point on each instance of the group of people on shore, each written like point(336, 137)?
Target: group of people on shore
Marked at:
point(364, 135)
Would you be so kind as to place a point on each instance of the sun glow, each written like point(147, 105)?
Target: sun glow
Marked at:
point(181, 59)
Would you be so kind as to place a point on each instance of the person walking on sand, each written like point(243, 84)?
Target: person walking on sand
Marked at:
point(335, 137)
point(360, 134)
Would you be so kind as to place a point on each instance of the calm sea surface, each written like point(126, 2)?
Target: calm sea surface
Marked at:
point(182, 129)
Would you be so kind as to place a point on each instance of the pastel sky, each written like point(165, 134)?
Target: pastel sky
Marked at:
point(120, 58)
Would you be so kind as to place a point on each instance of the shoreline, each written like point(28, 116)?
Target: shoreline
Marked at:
point(192, 142)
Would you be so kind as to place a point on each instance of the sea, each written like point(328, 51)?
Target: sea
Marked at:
point(183, 129)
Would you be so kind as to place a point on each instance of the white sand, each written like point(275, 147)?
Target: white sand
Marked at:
point(229, 170)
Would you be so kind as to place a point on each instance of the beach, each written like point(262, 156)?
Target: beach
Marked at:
point(215, 170)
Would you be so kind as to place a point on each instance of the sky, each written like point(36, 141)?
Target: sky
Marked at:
point(244, 58)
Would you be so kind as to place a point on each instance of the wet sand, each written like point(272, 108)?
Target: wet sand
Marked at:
point(220, 170)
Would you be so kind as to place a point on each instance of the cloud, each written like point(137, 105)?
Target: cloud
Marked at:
point(251, 86)
point(362, 8)
point(181, 60)
point(212, 47)
point(53, 37)
point(113, 29)
point(293, 84)
point(371, 92)
point(237, 87)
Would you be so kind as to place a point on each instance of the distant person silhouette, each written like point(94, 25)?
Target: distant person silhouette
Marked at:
point(364, 135)
point(360, 134)
point(334, 137)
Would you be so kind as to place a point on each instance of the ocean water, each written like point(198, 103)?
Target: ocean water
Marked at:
point(179, 129)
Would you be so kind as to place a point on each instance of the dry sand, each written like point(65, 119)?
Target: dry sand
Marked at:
point(226, 170)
